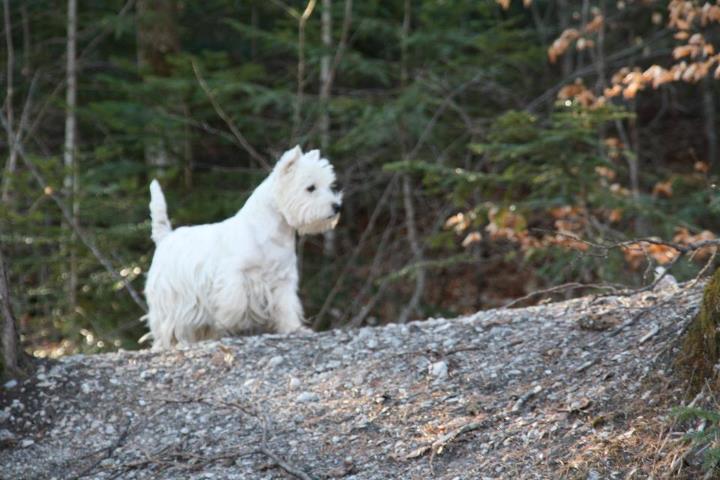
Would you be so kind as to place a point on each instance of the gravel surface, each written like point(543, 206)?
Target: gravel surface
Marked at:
point(522, 393)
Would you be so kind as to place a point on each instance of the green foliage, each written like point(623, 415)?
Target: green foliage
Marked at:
point(552, 164)
point(706, 439)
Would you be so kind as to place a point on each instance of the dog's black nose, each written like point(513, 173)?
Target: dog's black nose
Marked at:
point(336, 207)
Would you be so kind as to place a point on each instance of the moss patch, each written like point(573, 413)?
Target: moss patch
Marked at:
point(700, 347)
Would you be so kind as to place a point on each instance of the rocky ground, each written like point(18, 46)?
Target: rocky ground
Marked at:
point(578, 389)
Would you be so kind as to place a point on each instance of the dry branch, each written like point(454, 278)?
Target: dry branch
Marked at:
point(615, 290)
point(417, 251)
point(108, 451)
point(282, 463)
point(653, 331)
point(557, 288)
point(356, 252)
point(264, 422)
point(439, 445)
point(525, 397)
point(239, 137)
point(264, 448)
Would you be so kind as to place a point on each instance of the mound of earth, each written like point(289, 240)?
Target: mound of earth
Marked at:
point(577, 389)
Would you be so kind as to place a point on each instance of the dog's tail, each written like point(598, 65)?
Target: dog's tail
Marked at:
point(158, 213)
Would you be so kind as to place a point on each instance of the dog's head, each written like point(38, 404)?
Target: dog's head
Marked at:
point(306, 191)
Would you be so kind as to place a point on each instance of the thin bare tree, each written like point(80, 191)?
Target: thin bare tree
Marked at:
point(10, 349)
point(157, 39)
point(302, 21)
point(407, 188)
point(326, 26)
point(70, 182)
point(710, 123)
point(326, 34)
point(11, 162)
point(27, 49)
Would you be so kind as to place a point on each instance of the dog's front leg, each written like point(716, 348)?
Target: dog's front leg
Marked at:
point(288, 310)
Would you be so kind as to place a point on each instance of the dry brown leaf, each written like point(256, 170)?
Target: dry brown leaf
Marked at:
point(605, 172)
point(683, 51)
point(631, 91)
point(702, 167)
point(595, 24)
point(663, 189)
point(473, 237)
point(662, 254)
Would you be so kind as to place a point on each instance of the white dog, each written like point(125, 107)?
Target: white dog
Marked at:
point(208, 281)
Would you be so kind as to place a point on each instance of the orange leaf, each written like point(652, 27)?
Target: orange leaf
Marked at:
point(595, 24)
point(473, 237)
point(702, 167)
point(662, 254)
point(606, 172)
point(663, 189)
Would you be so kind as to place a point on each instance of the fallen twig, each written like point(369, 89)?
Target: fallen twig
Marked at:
point(555, 289)
point(585, 366)
point(166, 454)
point(264, 421)
point(439, 445)
point(282, 463)
point(650, 334)
point(108, 452)
point(525, 397)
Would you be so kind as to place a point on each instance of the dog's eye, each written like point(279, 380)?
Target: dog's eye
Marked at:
point(311, 188)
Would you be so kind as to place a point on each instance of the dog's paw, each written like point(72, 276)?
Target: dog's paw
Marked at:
point(304, 331)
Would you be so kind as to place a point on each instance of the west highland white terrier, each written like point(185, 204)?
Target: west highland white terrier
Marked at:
point(239, 275)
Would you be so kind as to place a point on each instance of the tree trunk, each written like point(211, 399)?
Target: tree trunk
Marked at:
point(297, 113)
point(326, 19)
point(10, 349)
point(254, 22)
point(157, 37)
point(27, 49)
point(710, 123)
point(11, 162)
point(70, 182)
point(407, 190)
point(700, 350)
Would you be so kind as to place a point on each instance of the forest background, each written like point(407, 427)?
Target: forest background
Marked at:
point(487, 149)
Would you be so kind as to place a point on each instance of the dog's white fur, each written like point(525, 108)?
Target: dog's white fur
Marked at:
point(208, 281)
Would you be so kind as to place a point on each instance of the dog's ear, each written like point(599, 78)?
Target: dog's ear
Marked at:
point(313, 155)
point(289, 159)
